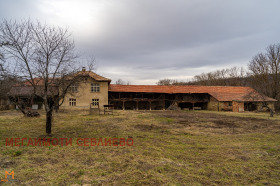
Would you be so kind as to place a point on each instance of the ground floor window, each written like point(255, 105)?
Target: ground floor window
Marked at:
point(95, 102)
point(72, 102)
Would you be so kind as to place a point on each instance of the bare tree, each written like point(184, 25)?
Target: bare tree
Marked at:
point(167, 81)
point(235, 76)
point(89, 63)
point(6, 81)
point(265, 71)
point(255, 96)
point(44, 57)
point(122, 82)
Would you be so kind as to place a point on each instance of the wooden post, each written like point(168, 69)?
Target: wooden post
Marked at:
point(193, 106)
point(163, 102)
point(150, 105)
point(123, 106)
point(136, 105)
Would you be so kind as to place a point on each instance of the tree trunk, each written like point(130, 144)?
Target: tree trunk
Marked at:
point(22, 109)
point(271, 112)
point(49, 121)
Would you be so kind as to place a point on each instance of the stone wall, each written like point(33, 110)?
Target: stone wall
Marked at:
point(213, 104)
point(261, 108)
point(237, 106)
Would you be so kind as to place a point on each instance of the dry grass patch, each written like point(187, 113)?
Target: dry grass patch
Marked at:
point(170, 148)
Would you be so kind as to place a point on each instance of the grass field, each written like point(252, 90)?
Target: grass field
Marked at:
point(170, 148)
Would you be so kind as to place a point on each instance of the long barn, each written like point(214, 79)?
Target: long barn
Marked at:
point(155, 97)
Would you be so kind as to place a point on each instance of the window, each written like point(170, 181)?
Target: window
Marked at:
point(95, 102)
point(95, 87)
point(230, 104)
point(73, 88)
point(72, 102)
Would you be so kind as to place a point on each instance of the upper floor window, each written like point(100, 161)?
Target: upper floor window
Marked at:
point(72, 102)
point(73, 88)
point(95, 87)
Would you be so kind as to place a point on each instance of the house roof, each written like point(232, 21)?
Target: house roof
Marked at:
point(37, 82)
point(40, 81)
point(92, 75)
point(25, 88)
point(29, 90)
point(221, 93)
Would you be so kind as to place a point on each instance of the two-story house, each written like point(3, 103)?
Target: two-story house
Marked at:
point(91, 88)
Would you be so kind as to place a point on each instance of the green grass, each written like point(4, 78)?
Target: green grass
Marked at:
point(170, 148)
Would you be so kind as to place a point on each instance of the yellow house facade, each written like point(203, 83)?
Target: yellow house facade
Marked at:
point(91, 88)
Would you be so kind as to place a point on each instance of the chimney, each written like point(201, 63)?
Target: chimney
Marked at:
point(84, 69)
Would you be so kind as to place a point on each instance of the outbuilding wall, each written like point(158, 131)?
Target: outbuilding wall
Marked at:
point(238, 106)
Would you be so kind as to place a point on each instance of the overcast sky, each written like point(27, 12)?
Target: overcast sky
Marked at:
point(142, 41)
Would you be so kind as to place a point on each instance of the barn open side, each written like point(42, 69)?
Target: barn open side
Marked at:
point(218, 98)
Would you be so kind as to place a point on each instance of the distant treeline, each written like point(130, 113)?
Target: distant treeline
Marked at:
point(226, 77)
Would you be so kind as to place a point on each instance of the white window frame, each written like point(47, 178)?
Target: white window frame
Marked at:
point(72, 102)
point(73, 88)
point(95, 87)
point(95, 102)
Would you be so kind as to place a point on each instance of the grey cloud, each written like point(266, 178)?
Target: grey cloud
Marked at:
point(144, 40)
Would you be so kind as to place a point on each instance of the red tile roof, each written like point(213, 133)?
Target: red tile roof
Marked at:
point(37, 82)
point(25, 88)
point(29, 90)
point(40, 81)
point(92, 75)
point(221, 93)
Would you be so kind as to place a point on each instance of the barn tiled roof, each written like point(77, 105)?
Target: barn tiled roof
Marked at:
point(221, 93)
